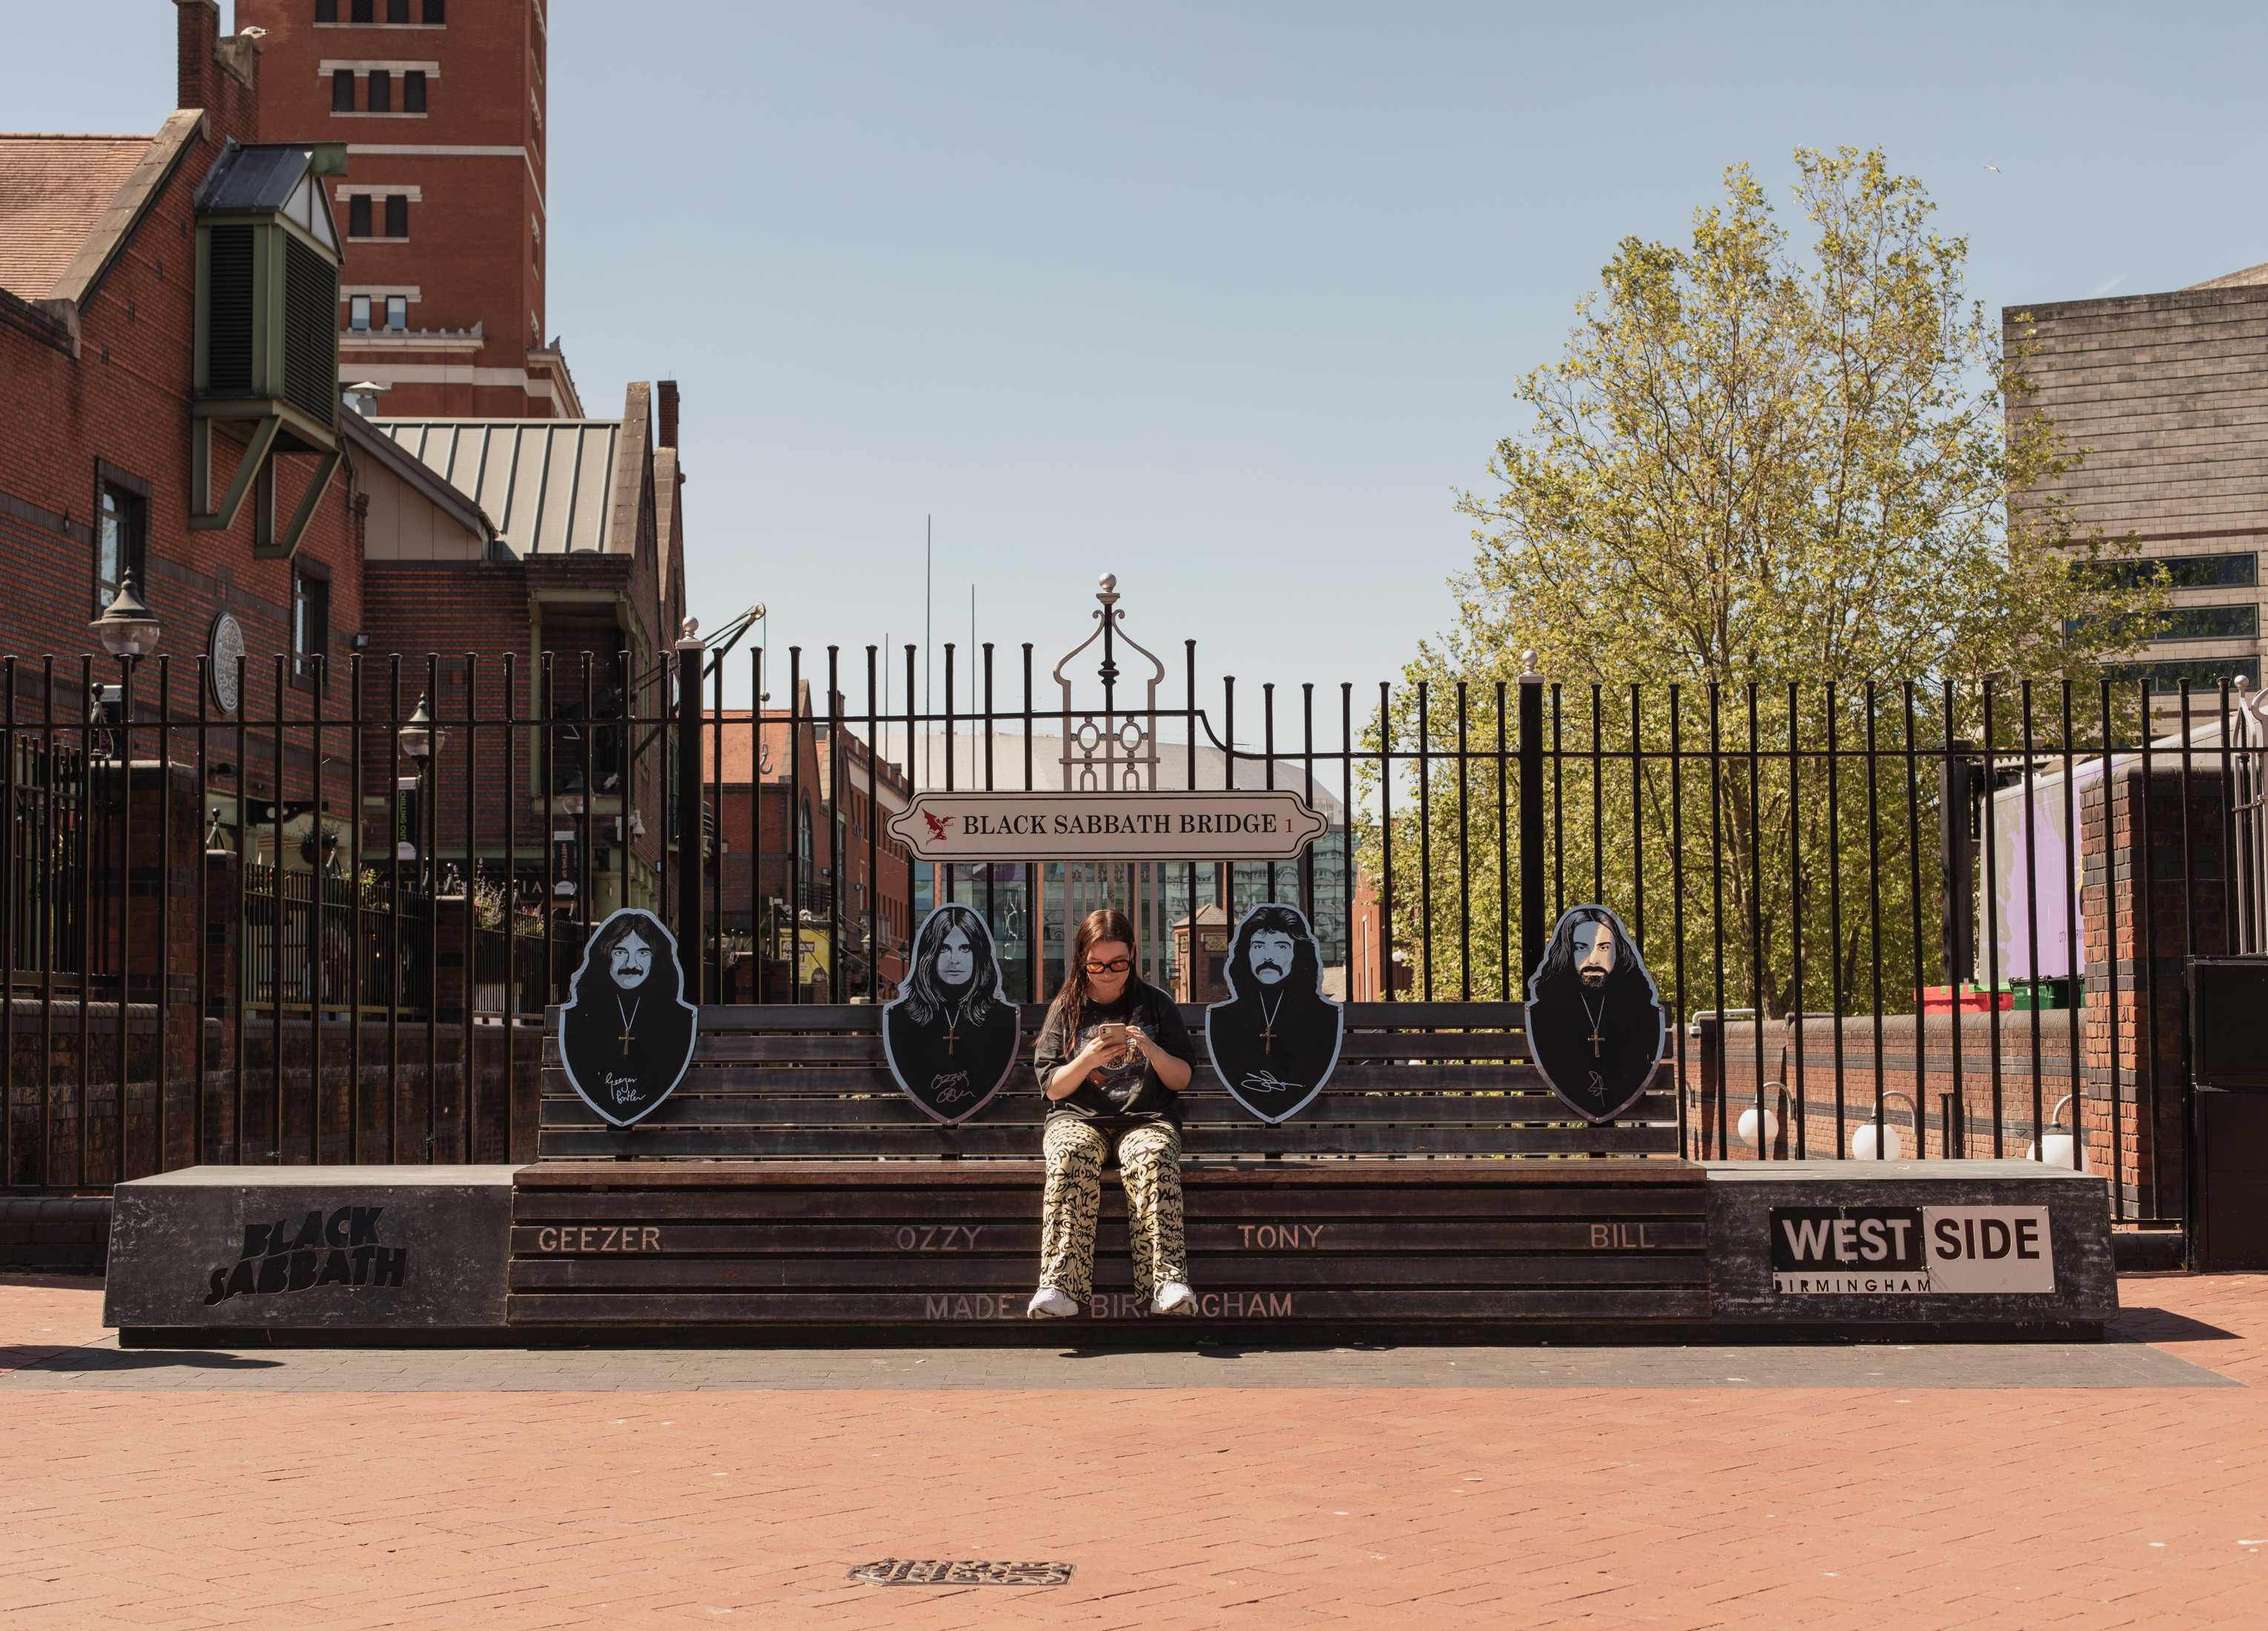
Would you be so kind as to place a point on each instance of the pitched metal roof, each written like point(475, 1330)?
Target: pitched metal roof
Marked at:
point(547, 482)
point(53, 191)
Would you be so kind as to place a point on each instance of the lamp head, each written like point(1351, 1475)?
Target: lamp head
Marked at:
point(420, 738)
point(127, 628)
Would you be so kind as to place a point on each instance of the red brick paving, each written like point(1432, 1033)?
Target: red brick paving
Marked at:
point(1275, 1508)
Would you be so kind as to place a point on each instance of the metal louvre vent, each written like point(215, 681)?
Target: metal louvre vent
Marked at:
point(228, 309)
point(311, 316)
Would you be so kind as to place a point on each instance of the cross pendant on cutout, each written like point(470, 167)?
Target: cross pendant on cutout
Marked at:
point(1267, 1041)
point(1595, 1040)
point(625, 1038)
point(951, 1037)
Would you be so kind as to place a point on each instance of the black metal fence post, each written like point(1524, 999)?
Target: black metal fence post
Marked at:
point(1532, 928)
point(690, 944)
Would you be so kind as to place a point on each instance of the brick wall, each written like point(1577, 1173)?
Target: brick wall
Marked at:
point(124, 399)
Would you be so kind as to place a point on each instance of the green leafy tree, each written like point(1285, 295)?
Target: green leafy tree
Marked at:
point(1767, 501)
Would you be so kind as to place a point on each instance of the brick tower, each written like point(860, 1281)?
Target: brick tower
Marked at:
point(441, 106)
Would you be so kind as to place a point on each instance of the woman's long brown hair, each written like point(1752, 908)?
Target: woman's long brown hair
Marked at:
point(1107, 923)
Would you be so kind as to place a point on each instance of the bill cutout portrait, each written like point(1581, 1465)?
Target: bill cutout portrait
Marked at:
point(1274, 1041)
point(626, 1032)
point(951, 1034)
point(1595, 1024)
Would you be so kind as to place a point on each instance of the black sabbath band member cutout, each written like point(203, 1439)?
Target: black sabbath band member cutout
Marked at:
point(1274, 1041)
point(950, 1035)
point(626, 1033)
point(1595, 1024)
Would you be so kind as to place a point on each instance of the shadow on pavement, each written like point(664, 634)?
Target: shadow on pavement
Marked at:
point(2158, 1324)
point(141, 1359)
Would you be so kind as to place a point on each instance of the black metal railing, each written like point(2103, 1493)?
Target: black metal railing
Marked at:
point(363, 905)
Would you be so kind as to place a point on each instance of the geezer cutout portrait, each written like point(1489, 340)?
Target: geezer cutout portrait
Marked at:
point(950, 1035)
point(1595, 1022)
point(1275, 1040)
point(626, 1032)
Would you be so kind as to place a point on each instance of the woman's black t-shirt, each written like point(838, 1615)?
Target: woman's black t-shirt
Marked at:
point(1129, 1094)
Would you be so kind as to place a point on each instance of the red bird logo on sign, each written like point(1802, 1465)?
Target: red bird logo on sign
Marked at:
point(936, 827)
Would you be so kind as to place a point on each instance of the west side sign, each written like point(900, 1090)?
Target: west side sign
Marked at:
point(1256, 826)
point(1911, 1249)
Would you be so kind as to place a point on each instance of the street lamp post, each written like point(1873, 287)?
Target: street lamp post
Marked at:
point(421, 739)
point(129, 631)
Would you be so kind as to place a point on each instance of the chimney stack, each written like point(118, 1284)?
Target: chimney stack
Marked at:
point(668, 438)
point(197, 29)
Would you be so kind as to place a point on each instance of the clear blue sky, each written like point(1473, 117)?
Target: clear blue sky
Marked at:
point(1227, 298)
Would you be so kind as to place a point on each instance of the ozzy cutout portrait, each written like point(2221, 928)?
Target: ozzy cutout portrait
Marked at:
point(626, 1032)
point(951, 1034)
point(1595, 1024)
point(1274, 1041)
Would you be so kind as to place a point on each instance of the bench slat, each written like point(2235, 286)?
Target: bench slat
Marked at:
point(1453, 1206)
point(1616, 1304)
point(716, 1276)
point(984, 1139)
point(856, 1078)
point(911, 1243)
point(864, 1017)
point(895, 1110)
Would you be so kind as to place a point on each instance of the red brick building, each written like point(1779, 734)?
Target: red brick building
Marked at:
point(349, 537)
point(101, 240)
point(778, 901)
point(582, 589)
point(441, 108)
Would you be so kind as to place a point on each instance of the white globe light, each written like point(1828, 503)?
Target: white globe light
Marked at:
point(1862, 1144)
point(1748, 1128)
point(2057, 1150)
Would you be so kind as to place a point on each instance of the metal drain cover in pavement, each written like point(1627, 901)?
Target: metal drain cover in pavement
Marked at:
point(897, 1571)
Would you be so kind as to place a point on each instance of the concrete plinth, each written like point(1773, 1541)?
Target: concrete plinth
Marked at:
point(1971, 1245)
point(386, 1250)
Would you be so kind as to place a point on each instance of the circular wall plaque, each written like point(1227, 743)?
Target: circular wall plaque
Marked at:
point(226, 650)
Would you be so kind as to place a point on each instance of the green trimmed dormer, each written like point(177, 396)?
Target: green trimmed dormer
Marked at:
point(267, 331)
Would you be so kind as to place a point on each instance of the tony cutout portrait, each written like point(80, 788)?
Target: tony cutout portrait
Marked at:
point(626, 1033)
point(1275, 1040)
point(1595, 1024)
point(950, 1035)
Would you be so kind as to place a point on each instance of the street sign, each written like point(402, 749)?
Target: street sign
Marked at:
point(1240, 826)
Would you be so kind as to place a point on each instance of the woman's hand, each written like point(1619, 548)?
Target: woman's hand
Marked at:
point(1087, 1062)
point(1174, 1073)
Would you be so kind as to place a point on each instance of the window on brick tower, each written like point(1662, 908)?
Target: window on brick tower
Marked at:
point(119, 544)
point(397, 312)
point(413, 91)
point(359, 311)
point(358, 11)
point(327, 11)
point(381, 90)
point(436, 11)
point(343, 91)
point(311, 622)
point(397, 11)
point(397, 214)
point(358, 216)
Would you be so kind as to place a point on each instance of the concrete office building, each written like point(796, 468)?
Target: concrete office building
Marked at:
point(2169, 393)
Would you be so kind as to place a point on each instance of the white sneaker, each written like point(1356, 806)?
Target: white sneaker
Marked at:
point(1174, 1297)
point(1050, 1304)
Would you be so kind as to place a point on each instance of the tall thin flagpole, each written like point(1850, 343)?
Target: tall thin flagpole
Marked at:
point(929, 605)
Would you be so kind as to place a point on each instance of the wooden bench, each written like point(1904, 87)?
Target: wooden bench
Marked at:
point(789, 1184)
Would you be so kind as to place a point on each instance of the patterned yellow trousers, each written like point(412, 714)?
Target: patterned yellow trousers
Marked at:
point(1149, 1159)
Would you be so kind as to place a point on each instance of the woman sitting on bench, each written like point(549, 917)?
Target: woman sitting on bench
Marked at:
point(1113, 1057)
